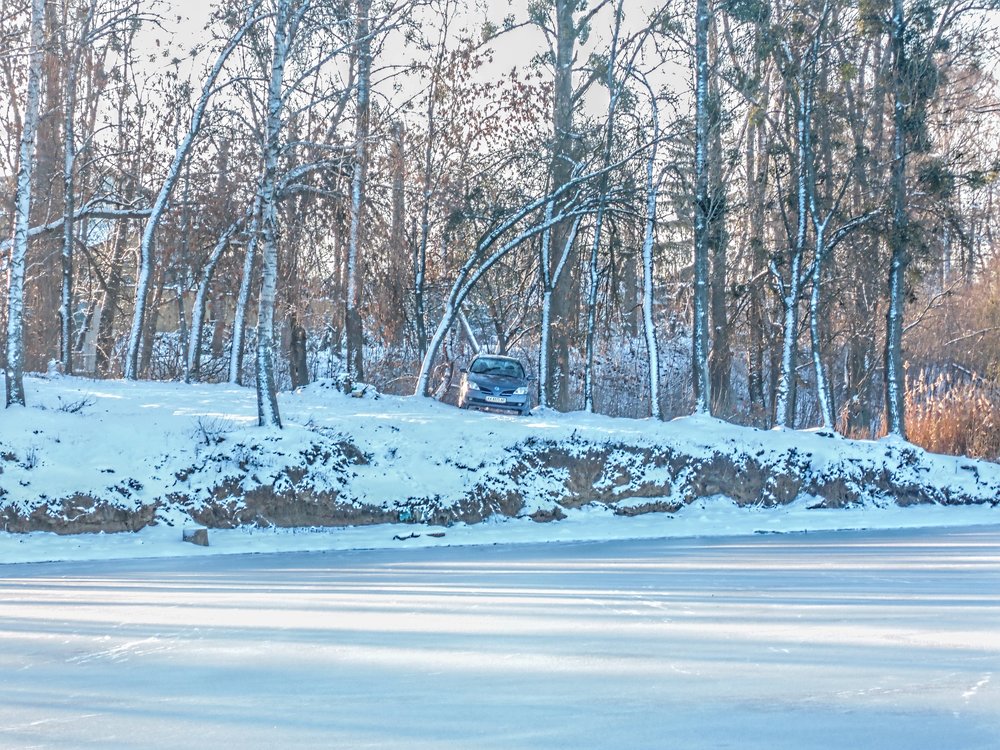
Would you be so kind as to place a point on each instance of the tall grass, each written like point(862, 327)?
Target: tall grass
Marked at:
point(954, 416)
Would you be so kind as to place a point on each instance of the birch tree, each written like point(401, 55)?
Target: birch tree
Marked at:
point(160, 203)
point(22, 210)
point(700, 342)
point(648, 242)
point(193, 369)
point(895, 384)
point(352, 318)
point(285, 23)
point(491, 248)
point(801, 82)
point(593, 266)
point(564, 29)
point(72, 50)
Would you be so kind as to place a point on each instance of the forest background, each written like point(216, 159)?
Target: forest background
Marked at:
point(781, 213)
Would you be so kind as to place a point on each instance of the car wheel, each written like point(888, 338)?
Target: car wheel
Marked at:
point(526, 411)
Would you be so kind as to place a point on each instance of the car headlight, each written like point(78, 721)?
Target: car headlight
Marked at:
point(522, 391)
point(472, 385)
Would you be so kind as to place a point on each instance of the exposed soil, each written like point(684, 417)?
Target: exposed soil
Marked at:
point(629, 479)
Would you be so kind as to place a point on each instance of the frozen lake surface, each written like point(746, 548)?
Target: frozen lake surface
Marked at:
point(887, 639)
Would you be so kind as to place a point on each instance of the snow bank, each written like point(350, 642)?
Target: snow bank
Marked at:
point(92, 455)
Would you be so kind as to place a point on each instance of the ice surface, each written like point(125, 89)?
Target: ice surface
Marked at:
point(886, 640)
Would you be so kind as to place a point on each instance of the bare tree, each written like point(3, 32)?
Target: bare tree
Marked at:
point(160, 203)
point(352, 318)
point(22, 210)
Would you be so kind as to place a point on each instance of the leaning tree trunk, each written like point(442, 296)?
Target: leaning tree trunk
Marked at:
point(22, 210)
point(193, 369)
point(166, 189)
point(243, 298)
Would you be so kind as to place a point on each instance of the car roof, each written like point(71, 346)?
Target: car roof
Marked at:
point(496, 356)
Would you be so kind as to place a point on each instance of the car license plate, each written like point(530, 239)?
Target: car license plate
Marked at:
point(496, 400)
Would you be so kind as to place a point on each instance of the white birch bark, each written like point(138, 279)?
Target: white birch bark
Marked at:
point(193, 372)
point(700, 334)
point(545, 269)
point(648, 325)
point(471, 273)
point(895, 384)
point(22, 210)
point(594, 276)
point(352, 318)
point(822, 387)
point(69, 201)
point(243, 298)
point(267, 399)
point(469, 333)
point(166, 188)
point(785, 398)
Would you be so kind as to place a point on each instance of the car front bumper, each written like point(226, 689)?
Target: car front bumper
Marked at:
point(486, 400)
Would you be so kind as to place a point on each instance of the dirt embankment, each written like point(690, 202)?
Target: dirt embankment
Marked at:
point(539, 479)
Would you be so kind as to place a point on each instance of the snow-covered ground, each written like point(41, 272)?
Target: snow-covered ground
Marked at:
point(887, 640)
point(794, 626)
point(145, 444)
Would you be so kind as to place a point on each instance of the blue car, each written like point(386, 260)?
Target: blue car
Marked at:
point(495, 382)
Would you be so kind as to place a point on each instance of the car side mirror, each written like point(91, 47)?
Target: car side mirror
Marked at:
point(464, 370)
point(532, 378)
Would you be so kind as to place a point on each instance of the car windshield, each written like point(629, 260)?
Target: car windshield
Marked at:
point(503, 367)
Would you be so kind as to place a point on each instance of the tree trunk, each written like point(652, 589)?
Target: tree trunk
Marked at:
point(895, 384)
point(297, 354)
point(22, 210)
point(352, 317)
point(243, 299)
point(200, 298)
point(786, 397)
point(592, 289)
point(756, 166)
point(267, 397)
point(720, 356)
point(148, 338)
point(167, 187)
point(566, 288)
point(702, 214)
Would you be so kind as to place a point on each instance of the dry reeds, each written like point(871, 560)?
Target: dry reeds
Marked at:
point(959, 417)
